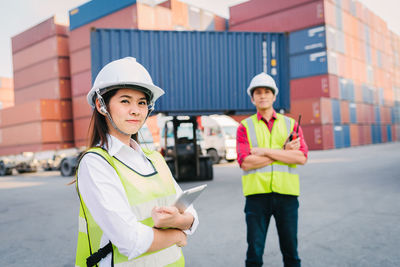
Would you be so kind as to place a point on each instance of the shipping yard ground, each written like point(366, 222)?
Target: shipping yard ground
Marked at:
point(349, 214)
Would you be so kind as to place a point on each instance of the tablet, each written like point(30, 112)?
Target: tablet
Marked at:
point(188, 196)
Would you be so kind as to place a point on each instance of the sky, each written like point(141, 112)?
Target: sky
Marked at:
point(19, 15)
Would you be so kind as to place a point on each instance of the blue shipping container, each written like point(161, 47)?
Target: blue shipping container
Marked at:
point(341, 135)
point(95, 9)
point(376, 133)
point(377, 114)
point(389, 132)
point(309, 64)
point(308, 40)
point(201, 72)
point(353, 112)
point(336, 114)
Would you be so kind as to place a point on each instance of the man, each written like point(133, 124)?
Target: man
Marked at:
point(270, 181)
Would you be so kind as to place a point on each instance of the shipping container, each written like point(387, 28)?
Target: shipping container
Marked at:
point(44, 71)
point(389, 133)
point(376, 133)
point(36, 132)
point(44, 109)
point(354, 135)
point(315, 86)
point(6, 83)
point(341, 136)
point(309, 64)
point(80, 61)
point(336, 112)
point(353, 112)
point(55, 46)
point(259, 8)
point(81, 107)
point(307, 40)
point(201, 72)
point(94, 10)
point(81, 131)
point(311, 14)
point(344, 111)
point(51, 89)
point(17, 149)
point(318, 137)
point(46, 29)
point(6, 95)
point(81, 83)
point(313, 111)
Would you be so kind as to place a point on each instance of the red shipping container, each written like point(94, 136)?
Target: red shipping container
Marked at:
point(313, 111)
point(384, 133)
point(41, 110)
point(354, 135)
point(311, 14)
point(81, 107)
point(80, 61)
point(17, 149)
point(47, 28)
point(344, 111)
point(124, 18)
point(258, 8)
point(36, 132)
point(358, 97)
point(220, 23)
point(318, 137)
point(51, 89)
point(44, 71)
point(365, 134)
point(56, 46)
point(326, 85)
point(81, 83)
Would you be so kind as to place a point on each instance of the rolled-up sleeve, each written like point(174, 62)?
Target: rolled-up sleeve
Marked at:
point(242, 144)
point(104, 196)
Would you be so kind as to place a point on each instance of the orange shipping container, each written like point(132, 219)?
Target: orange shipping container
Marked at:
point(313, 111)
point(6, 83)
point(354, 135)
point(51, 89)
point(6, 95)
point(41, 110)
point(179, 14)
point(43, 71)
point(36, 132)
point(344, 111)
point(330, 13)
point(365, 134)
point(56, 46)
point(318, 137)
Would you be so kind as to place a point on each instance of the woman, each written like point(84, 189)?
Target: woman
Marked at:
point(126, 217)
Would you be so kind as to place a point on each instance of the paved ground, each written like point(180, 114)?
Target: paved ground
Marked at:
point(349, 215)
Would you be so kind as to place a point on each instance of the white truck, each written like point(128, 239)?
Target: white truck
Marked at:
point(219, 132)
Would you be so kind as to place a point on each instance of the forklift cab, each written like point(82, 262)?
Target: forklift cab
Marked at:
point(183, 152)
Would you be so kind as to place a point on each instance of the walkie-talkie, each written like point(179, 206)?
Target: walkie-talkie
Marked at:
point(294, 135)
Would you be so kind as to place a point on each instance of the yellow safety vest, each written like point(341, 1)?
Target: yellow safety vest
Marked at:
point(277, 177)
point(143, 192)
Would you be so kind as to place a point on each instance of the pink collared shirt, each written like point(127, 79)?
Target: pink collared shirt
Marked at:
point(242, 141)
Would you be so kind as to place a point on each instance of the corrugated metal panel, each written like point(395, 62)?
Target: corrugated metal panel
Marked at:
point(201, 72)
point(309, 64)
point(95, 9)
point(336, 114)
point(307, 40)
point(389, 132)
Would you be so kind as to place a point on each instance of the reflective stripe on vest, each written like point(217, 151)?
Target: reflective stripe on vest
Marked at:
point(143, 193)
point(277, 177)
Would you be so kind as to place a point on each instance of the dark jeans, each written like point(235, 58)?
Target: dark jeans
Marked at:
point(259, 209)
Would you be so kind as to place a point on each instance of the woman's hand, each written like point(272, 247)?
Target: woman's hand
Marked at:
point(182, 239)
point(165, 217)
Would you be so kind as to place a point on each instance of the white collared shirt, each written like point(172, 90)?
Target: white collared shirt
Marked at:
point(105, 197)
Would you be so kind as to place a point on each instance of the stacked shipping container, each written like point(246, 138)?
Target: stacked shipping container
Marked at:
point(170, 15)
point(42, 117)
point(6, 92)
point(342, 78)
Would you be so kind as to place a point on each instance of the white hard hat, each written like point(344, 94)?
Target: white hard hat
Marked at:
point(125, 72)
point(262, 80)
